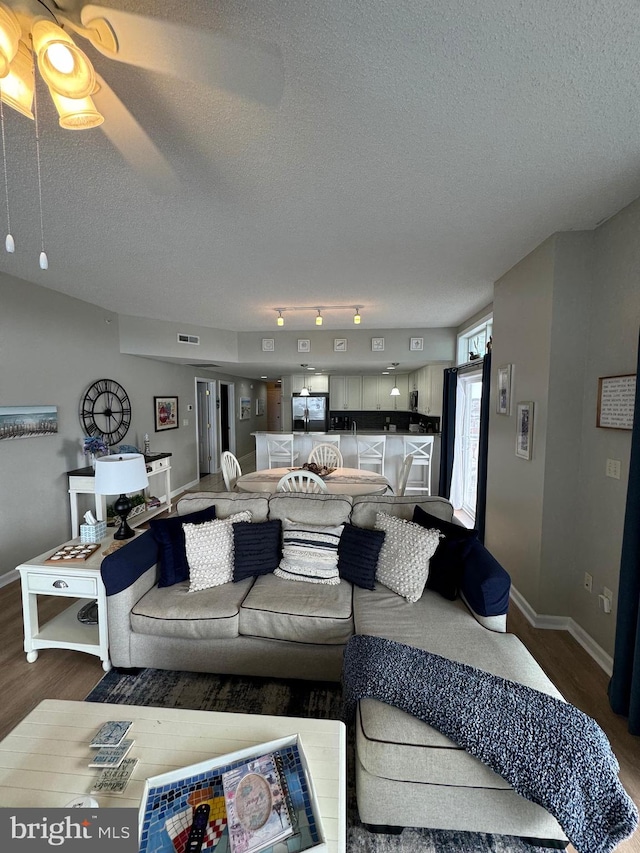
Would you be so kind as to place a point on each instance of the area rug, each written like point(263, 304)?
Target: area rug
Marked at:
point(290, 698)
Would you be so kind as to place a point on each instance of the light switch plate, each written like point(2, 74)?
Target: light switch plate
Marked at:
point(613, 468)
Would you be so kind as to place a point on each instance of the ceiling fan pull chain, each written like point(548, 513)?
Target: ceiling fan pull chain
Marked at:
point(44, 260)
point(9, 242)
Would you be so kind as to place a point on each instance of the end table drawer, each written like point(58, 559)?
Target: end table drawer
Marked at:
point(62, 584)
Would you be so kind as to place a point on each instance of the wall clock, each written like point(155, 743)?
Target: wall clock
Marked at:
point(105, 409)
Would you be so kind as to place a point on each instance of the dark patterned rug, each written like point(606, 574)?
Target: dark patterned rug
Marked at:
point(283, 697)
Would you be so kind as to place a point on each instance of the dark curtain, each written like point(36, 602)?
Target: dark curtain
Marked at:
point(624, 687)
point(483, 448)
point(448, 431)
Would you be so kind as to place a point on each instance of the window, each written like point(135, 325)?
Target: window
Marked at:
point(474, 340)
point(464, 481)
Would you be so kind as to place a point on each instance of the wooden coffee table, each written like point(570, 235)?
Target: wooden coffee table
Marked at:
point(43, 761)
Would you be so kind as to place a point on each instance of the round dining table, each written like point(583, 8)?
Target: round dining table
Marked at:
point(341, 481)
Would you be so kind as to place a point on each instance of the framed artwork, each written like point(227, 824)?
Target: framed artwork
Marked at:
point(260, 406)
point(245, 408)
point(304, 346)
point(268, 344)
point(166, 413)
point(339, 344)
point(524, 430)
point(377, 344)
point(616, 401)
point(503, 403)
point(28, 421)
point(416, 344)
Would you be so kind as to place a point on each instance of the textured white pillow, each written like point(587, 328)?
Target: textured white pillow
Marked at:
point(403, 564)
point(309, 552)
point(210, 551)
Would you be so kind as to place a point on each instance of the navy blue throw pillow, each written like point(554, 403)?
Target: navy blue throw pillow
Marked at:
point(447, 564)
point(257, 548)
point(358, 553)
point(485, 584)
point(172, 554)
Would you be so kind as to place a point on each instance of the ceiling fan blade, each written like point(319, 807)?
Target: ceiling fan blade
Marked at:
point(250, 69)
point(132, 141)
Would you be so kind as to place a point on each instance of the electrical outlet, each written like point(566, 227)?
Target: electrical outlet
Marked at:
point(613, 468)
point(185, 422)
point(588, 581)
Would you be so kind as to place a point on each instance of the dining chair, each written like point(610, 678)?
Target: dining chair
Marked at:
point(404, 474)
point(230, 470)
point(301, 481)
point(371, 452)
point(280, 450)
point(326, 454)
point(422, 451)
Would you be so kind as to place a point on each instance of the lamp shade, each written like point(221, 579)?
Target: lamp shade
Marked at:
point(395, 391)
point(64, 67)
point(9, 38)
point(119, 474)
point(17, 87)
point(76, 113)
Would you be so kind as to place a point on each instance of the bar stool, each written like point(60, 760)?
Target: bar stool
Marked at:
point(371, 452)
point(422, 450)
point(280, 451)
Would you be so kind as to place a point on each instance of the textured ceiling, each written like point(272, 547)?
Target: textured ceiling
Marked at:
point(397, 156)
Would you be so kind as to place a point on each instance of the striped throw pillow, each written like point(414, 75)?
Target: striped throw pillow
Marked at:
point(309, 553)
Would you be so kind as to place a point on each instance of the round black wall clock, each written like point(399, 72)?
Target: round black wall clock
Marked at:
point(105, 409)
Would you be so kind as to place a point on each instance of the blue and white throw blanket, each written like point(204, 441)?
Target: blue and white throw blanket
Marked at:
point(548, 750)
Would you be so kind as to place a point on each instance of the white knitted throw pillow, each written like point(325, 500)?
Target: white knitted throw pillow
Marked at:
point(309, 552)
point(210, 551)
point(403, 564)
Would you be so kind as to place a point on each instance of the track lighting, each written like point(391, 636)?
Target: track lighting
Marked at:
point(319, 309)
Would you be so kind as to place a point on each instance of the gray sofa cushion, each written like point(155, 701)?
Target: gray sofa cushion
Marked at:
point(313, 509)
point(365, 508)
point(299, 612)
point(226, 503)
point(211, 614)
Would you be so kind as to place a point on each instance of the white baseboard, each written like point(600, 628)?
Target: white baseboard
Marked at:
point(564, 623)
point(8, 578)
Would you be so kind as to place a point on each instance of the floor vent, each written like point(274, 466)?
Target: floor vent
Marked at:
point(188, 339)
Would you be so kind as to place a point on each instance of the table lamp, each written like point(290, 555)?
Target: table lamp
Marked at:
point(124, 472)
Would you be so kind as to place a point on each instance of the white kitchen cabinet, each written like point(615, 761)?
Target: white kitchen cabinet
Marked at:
point(376, 392)
point(345, 393)
point(428, 382)
point(315, 384)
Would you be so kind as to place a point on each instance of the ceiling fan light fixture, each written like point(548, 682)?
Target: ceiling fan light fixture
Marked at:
point(76, 113)
point(64, 67)
point(16, 89)
point(9, 37)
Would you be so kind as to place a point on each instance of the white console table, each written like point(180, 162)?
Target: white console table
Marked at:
point(82, 482)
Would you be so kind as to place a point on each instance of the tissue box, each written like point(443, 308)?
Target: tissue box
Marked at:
point(93, 532)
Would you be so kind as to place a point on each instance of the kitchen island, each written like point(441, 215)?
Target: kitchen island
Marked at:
point(394, 453)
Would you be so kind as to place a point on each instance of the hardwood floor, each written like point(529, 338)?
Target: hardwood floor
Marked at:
point(60, 674)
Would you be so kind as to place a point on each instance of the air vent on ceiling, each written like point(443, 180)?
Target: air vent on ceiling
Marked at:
point(188, 339)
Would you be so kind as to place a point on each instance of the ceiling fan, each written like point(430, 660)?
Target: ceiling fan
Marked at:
point(83, 99)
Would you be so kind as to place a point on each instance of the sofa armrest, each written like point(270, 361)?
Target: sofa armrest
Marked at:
point(119, 606)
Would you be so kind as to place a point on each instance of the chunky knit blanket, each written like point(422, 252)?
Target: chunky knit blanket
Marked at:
point(548, 750)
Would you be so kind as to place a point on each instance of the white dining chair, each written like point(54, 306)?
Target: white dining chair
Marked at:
point(231, 469)
point(326, 439)
point(326, 454)
point(422, 451)
point(371, 452)
point(404, 474)
point(280, 450)
point(301, 481)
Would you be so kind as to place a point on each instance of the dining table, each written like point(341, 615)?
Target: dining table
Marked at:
point(341, 481)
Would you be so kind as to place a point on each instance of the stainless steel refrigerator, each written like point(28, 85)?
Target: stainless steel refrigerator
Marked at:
point(311, 413)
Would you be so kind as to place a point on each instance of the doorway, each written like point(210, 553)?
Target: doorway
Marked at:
point(215, 400)
point(464, 480)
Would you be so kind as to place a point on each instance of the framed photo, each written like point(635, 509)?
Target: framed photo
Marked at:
point(503, 403)
point(304, 345)
point(245, 408)
point(416, 344)
point(166, 413)
point(28, 421)
point(260, 406)
point(339, 344)
point(616, 401)
point(524, 430)
point(268, 344)
point(377, 344)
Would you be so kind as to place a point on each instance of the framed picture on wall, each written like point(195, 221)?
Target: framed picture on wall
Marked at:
point(245, 408)
point(165, 413)
point(524, 430)
point(304, 345)
point(416, 344)
point(503, 402)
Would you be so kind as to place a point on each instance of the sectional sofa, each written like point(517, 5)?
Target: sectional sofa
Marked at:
point(407, 773)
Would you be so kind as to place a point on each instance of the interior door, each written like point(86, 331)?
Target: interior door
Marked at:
point(206, 426)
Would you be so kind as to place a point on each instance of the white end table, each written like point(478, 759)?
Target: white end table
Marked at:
point(68, 579)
